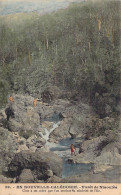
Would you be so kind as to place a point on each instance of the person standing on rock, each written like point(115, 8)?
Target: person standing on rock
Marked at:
point(35, 102)
point(11, 99)
point(73, 150)
point(9, 112)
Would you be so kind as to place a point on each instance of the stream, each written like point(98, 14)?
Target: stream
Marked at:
point(62, 149)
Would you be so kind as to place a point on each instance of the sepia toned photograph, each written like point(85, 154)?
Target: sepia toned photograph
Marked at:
point(60, 102)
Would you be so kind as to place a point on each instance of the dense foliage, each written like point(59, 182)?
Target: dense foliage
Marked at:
point(77, 49)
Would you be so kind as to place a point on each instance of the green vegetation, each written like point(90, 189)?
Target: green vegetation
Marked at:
point(76, 49)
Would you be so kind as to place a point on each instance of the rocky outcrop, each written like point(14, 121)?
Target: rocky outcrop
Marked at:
point(42, 164)
point(8, 147)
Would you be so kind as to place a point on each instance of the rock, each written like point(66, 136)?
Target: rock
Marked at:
point(47, 124)
point(50, 94)
point(21, 148)
point(37, 162)
point(42, 149)
point(108, 109)
point(4, 179)
point(14, 126)
point(21, 141)
point(109, 156)
point(26, 176)
point(49, 173)
point(99, 150)
point(72, 132)
point(99, 168)
point(26, 118)
point(91, 149)
point(8, 147)
point(3, 119)
point(71, 161)
point(96, 126)
point(54, 179)
point(39, 181)
point(61, 131)
point(35, 141)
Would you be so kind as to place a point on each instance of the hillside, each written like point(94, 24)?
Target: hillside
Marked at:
point(75, 49)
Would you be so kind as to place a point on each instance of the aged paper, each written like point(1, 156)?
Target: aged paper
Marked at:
point(60, 97)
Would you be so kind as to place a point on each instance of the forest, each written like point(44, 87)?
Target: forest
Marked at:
point(76, 49)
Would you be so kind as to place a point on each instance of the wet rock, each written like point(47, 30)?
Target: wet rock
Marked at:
point(26, 176)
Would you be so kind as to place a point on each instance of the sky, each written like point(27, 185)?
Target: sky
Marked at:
point(27, 6)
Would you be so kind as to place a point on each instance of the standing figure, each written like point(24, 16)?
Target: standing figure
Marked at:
point(35, 102)
point(11, 99)
point(9, 112)
point(73, 150)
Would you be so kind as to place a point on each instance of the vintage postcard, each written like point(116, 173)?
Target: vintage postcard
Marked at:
point(60, 126)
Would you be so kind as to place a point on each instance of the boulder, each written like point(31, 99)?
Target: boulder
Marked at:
point(14, 126)
point(54, 179)
point(4, 179)
point(38, 162)
point(8, 147)
point(49, 173)
point(72, 132)
point(50, 93)
point(61, 132)
point(26, 176)
point(100, 168)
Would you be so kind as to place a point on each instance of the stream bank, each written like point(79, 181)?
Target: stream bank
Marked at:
point(45, 133)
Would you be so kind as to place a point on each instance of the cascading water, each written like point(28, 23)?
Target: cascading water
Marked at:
point(62, 149)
